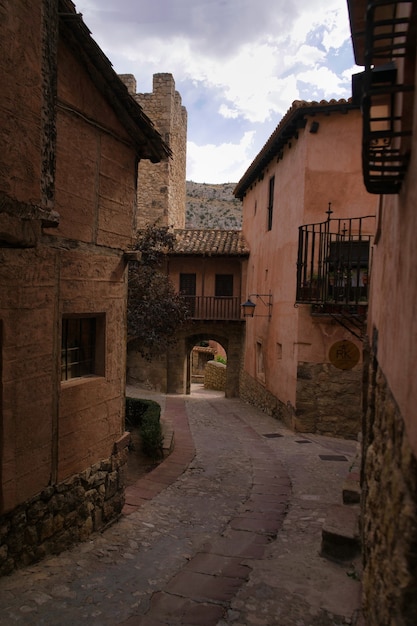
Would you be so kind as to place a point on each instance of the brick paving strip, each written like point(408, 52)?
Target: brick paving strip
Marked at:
point(201, 592)
point(148, 486)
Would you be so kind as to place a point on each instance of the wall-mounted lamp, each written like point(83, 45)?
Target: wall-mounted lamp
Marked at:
point(249, 306)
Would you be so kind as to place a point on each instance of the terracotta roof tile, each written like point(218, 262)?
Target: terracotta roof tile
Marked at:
point(210, 242)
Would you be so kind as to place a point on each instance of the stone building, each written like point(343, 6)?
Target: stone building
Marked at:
point(71, 139)
point(208, 267)
point(162, 188)
point(384, 40)
point(309, 225)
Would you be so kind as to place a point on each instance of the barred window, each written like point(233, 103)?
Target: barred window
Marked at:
point(82, 347)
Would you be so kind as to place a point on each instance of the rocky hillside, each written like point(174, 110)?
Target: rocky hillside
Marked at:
point(212, 206)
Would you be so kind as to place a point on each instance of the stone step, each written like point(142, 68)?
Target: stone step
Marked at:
point(351, 490)
point(340, 533)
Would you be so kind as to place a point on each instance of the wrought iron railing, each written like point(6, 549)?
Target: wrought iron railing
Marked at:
point(333, 264)
point(213, 308)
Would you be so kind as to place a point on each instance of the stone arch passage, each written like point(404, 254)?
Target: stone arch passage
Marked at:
point(190, 343)
point(229, 334)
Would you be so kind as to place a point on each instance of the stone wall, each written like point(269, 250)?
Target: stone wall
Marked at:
point(389, 510)
point(64, 513)
point(146, 374)
point(199, 358)
point(162, 186)
point(328, 400)
point(215, 376)
point(253, 392)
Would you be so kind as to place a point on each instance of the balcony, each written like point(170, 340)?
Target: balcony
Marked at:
point(385, 95)
point(333, 267)
point(213, 308)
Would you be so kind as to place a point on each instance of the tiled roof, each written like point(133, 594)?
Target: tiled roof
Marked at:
point(289, 126)
point(210, 242)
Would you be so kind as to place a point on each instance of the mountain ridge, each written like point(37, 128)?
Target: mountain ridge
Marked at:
point(212, 206)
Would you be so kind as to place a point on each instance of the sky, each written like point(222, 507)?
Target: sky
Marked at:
point(237, 64)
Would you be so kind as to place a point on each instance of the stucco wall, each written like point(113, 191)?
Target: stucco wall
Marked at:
point(393, 297)
point(206, 270)
point(310, 174)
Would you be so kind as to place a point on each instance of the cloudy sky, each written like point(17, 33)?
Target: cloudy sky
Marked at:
point(238, 65)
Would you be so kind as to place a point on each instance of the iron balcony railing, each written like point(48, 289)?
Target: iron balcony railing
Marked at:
point(333, 264)
point(213, 308)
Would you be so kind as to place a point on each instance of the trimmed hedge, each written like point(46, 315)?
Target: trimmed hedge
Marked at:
point(145, 415)
point(137, 408)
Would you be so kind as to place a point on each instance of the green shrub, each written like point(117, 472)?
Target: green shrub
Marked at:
point(220, 359)
point(151, 436)
point(145, 415)
point(136, 408)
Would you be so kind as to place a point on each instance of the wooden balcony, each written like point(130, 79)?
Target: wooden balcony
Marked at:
point(213, 308)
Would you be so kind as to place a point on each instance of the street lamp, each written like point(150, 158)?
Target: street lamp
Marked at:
point(249, 306)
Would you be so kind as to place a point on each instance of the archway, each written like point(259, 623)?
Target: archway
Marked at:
point(206, 366)
point(230, 335)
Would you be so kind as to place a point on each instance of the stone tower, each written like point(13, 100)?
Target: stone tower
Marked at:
point(162, 186)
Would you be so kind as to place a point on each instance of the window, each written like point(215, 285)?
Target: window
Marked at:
point(188, 284)
point(82, 347)
point(224, 286)
point(271, 201)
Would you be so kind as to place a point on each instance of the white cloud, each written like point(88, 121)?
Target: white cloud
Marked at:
point(323, 79)
point(248, 64)
point(221, 163)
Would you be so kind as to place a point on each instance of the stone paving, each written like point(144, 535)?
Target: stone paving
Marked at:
point(225, 532)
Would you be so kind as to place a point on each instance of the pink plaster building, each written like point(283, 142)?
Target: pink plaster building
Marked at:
point(309, 224)
point(385, 43)
point(71, 139)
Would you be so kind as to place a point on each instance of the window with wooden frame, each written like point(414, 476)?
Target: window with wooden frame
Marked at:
point(223, 286)
point(82, 346)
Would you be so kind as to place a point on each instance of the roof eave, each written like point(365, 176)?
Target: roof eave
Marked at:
point(288, 128)
point(145, 138)
point(357, 11)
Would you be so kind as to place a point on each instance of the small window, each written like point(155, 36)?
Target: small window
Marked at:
point(224, 285)
point(188, 287)
point(260, 370)
point(82, 347)
point(188, 284)
point(271, 201)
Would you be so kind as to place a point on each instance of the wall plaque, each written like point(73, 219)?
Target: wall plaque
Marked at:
point(344, 355)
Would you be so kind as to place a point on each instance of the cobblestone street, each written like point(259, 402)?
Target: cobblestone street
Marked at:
point(227, 531)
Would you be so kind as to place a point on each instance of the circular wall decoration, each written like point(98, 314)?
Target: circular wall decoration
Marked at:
point(344, 355)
